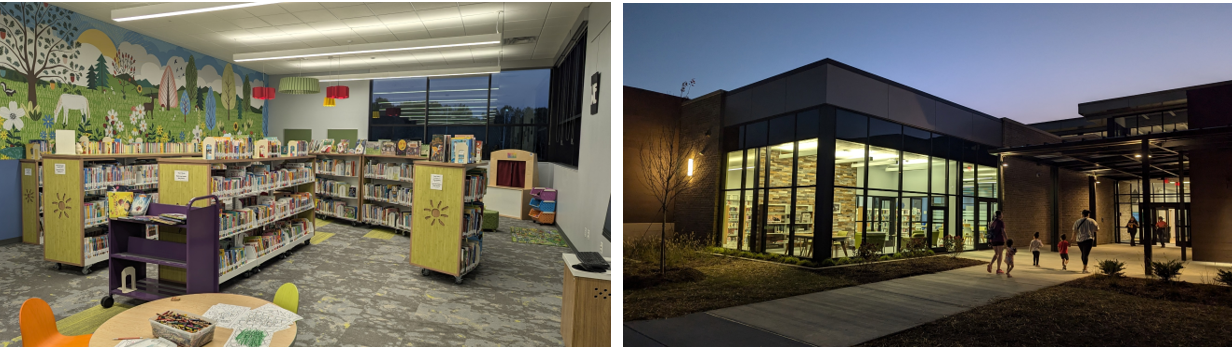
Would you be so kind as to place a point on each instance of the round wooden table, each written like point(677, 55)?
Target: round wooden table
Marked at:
point(135, 322)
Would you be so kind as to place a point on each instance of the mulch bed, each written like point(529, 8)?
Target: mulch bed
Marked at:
point(1092, 311)
point(727, 282)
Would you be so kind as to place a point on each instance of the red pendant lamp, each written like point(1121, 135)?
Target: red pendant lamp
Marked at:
point(338, 92)
point(263, 93)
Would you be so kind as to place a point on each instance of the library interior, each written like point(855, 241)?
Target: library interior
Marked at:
point(305, 174)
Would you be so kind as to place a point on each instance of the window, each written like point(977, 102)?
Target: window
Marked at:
point(519, 110)
point(569, 84)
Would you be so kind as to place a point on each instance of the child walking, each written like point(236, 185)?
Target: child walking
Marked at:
point(1009, 257)
point(1064, 247)
point(1035, 246)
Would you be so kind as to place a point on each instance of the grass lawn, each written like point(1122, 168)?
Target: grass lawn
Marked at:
point(707, 282)
point(1092, 311)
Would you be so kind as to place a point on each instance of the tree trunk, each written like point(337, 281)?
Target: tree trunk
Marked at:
point(663, 244)
point(31, 83)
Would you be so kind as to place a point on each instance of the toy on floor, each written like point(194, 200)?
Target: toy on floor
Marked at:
point(491, 220)
point(543, 205)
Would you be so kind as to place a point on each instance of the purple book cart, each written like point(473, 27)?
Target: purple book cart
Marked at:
point(198, 255)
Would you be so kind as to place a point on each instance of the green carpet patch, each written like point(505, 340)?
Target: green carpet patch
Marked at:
point(86, 322)
point(538, 236)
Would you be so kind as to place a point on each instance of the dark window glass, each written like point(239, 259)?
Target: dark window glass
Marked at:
point(520, 97)
point(731, 138)
point(782, 129)
point(807, 124)
point(477, 130)
point(569, 84)
point(850, 126)
point(940, 146)
point(408, 94)
point(984, 157)
point(756, 135)
point(971, 152)
point(885, 134)
point(461, 100)
point(916, 141)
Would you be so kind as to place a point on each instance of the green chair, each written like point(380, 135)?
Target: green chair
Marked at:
point(287, 297)
point(491, 219)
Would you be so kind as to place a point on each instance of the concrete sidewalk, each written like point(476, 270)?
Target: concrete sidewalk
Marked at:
point(852, 315)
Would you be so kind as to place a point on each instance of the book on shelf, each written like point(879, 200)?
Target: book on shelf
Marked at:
point(400, 148)
point(372, 148)
point(475, 186)
point(414, 148)
point(118, 204)
point(437, 147)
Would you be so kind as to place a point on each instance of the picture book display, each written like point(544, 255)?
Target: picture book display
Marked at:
point(118, 204)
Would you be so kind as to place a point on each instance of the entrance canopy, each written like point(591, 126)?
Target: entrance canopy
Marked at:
point(1120, 157)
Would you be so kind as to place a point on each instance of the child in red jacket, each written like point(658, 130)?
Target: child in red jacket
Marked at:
point(1064, 247)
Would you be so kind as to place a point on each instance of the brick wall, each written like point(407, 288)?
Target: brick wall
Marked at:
point(697, 207)
point(645, 113)
point(1211, 205)
point(1074, 198)
point(1027, 197)
point(1106, 214)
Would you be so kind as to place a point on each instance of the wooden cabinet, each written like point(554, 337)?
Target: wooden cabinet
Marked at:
point(586, 310)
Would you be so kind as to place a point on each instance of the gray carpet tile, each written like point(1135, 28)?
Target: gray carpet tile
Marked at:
point(354, 291)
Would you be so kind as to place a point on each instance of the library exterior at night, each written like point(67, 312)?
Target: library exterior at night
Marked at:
point(897, 165)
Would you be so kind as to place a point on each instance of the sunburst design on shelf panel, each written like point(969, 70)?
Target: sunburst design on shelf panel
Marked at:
point(30, 195)
point(436, 213)
point(63, 205)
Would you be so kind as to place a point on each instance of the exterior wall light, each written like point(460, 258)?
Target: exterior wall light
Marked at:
point(690, 167)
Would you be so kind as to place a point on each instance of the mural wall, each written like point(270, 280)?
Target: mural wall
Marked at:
point(63, 70)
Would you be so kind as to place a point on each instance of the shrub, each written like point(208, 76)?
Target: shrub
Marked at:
point(1111, 267)
point(953, 244)
point(747, 254)
point(1224, 277)
point(885, 257)
point(915, 247)
point(808, 263)
point(828, 262)
point(899, 256)
point(1167, 271)
point(647, 249)
point(930, 252)
point(791, 260)
point(843, 261)
point(869, 252)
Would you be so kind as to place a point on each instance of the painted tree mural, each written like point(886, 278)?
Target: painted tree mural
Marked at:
point(210, 119)
point(190, 83)
point(45, 52)
point(123, 67)
point(97, 77)
point(228, 90)
point(247, 94)
point(184, 104)
point(167, 98)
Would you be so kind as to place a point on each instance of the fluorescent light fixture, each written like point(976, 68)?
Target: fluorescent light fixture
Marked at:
point(380, 47)
point(177, 9)
point(690, 167)
point(481, 70)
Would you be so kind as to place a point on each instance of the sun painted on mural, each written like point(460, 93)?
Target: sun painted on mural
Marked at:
point(436, 213)
point(30, 196)
point(63, 204)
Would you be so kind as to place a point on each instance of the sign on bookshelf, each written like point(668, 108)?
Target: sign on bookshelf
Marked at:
point(438, 182)
point(181, 175)
point(59, 169)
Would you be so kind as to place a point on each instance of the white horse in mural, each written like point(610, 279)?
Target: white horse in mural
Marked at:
point(72, 102)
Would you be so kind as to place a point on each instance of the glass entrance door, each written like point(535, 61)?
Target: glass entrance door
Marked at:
point(1175, 223)
point(985, 211)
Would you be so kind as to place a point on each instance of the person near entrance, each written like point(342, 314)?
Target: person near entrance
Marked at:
point(1132, 226)
point(1161, 232)
point(1084, 233)
point(996, 239)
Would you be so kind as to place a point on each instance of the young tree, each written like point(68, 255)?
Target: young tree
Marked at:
point(38, 43)
point(227, 94)
point(664, 156)
point(247, 101)
point(190, 83)
point(124, 66)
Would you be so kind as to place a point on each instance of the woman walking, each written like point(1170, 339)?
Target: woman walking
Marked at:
point(1161, 232)
point(996, 239)
point(1132, 226)
point(1084, 233)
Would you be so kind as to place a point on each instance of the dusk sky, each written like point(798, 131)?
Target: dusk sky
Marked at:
point(1027, 62)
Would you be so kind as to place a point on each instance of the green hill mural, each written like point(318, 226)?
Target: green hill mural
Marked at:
point(63, 70)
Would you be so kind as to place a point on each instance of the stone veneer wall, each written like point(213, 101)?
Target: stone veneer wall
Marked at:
point(844, 219)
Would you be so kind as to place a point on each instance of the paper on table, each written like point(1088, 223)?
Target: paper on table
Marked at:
point(269, 336)
point(269, 317)
point(159, 342)
point(225, 315)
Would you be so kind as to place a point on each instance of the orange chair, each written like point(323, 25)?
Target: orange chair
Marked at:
point(38, 326)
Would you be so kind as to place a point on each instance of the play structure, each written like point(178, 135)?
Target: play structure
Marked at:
point(513, 175)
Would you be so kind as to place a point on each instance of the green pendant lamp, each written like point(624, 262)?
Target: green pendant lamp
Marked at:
point(299, 84)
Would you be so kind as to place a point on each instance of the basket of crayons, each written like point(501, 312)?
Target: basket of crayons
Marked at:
point(183, 328)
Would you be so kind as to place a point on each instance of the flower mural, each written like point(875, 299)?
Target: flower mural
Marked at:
point(196, 132)
point(12, 116)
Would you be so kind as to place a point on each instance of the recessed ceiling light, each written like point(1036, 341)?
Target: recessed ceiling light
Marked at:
point(175, 9)
point(362, 48)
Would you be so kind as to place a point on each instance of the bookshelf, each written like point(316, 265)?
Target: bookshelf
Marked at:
point(333, 170)
point(68, 234)
point(267, 204)
point(448, 203)
point(195, 256)
point(387, 191)
point(31, 201)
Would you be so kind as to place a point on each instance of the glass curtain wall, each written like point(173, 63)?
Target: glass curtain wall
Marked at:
point(892, 185)
point(1167, 196)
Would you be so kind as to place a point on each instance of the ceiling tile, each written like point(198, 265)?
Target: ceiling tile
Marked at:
point(372, 30)
point(399, 18)
point(231, 14)
point(438, 14)
point(420, 6)
point(559, 22)
point(526, 24)
point(328, 25)
point(379, 38)
point(299, 29)
point(266, 32)
point(517, 16)
point(527, 6)
point(520, 33)
point(319, 41)
point(412, 35)
point(483, 8)
point(349, 40)
point(230, 35)
point(265, 10)
point(363, 22)
point(279, 46)
point(487, 20)
point(390, 7)
point(300, 6)
point(248, 23)
point(566, 9)
point(315, 16)
point(219, 25)
point(518, 50)
point(351, 11)
point(429, 57)
point(405, 27)
point(443, 23)
point(447, 32)
point(280, 19)
point(341, 33)
point(480, 29)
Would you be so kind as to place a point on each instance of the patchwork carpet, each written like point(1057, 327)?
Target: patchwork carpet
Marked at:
point(538, 236)
point(380, 234)
point(86, 322)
